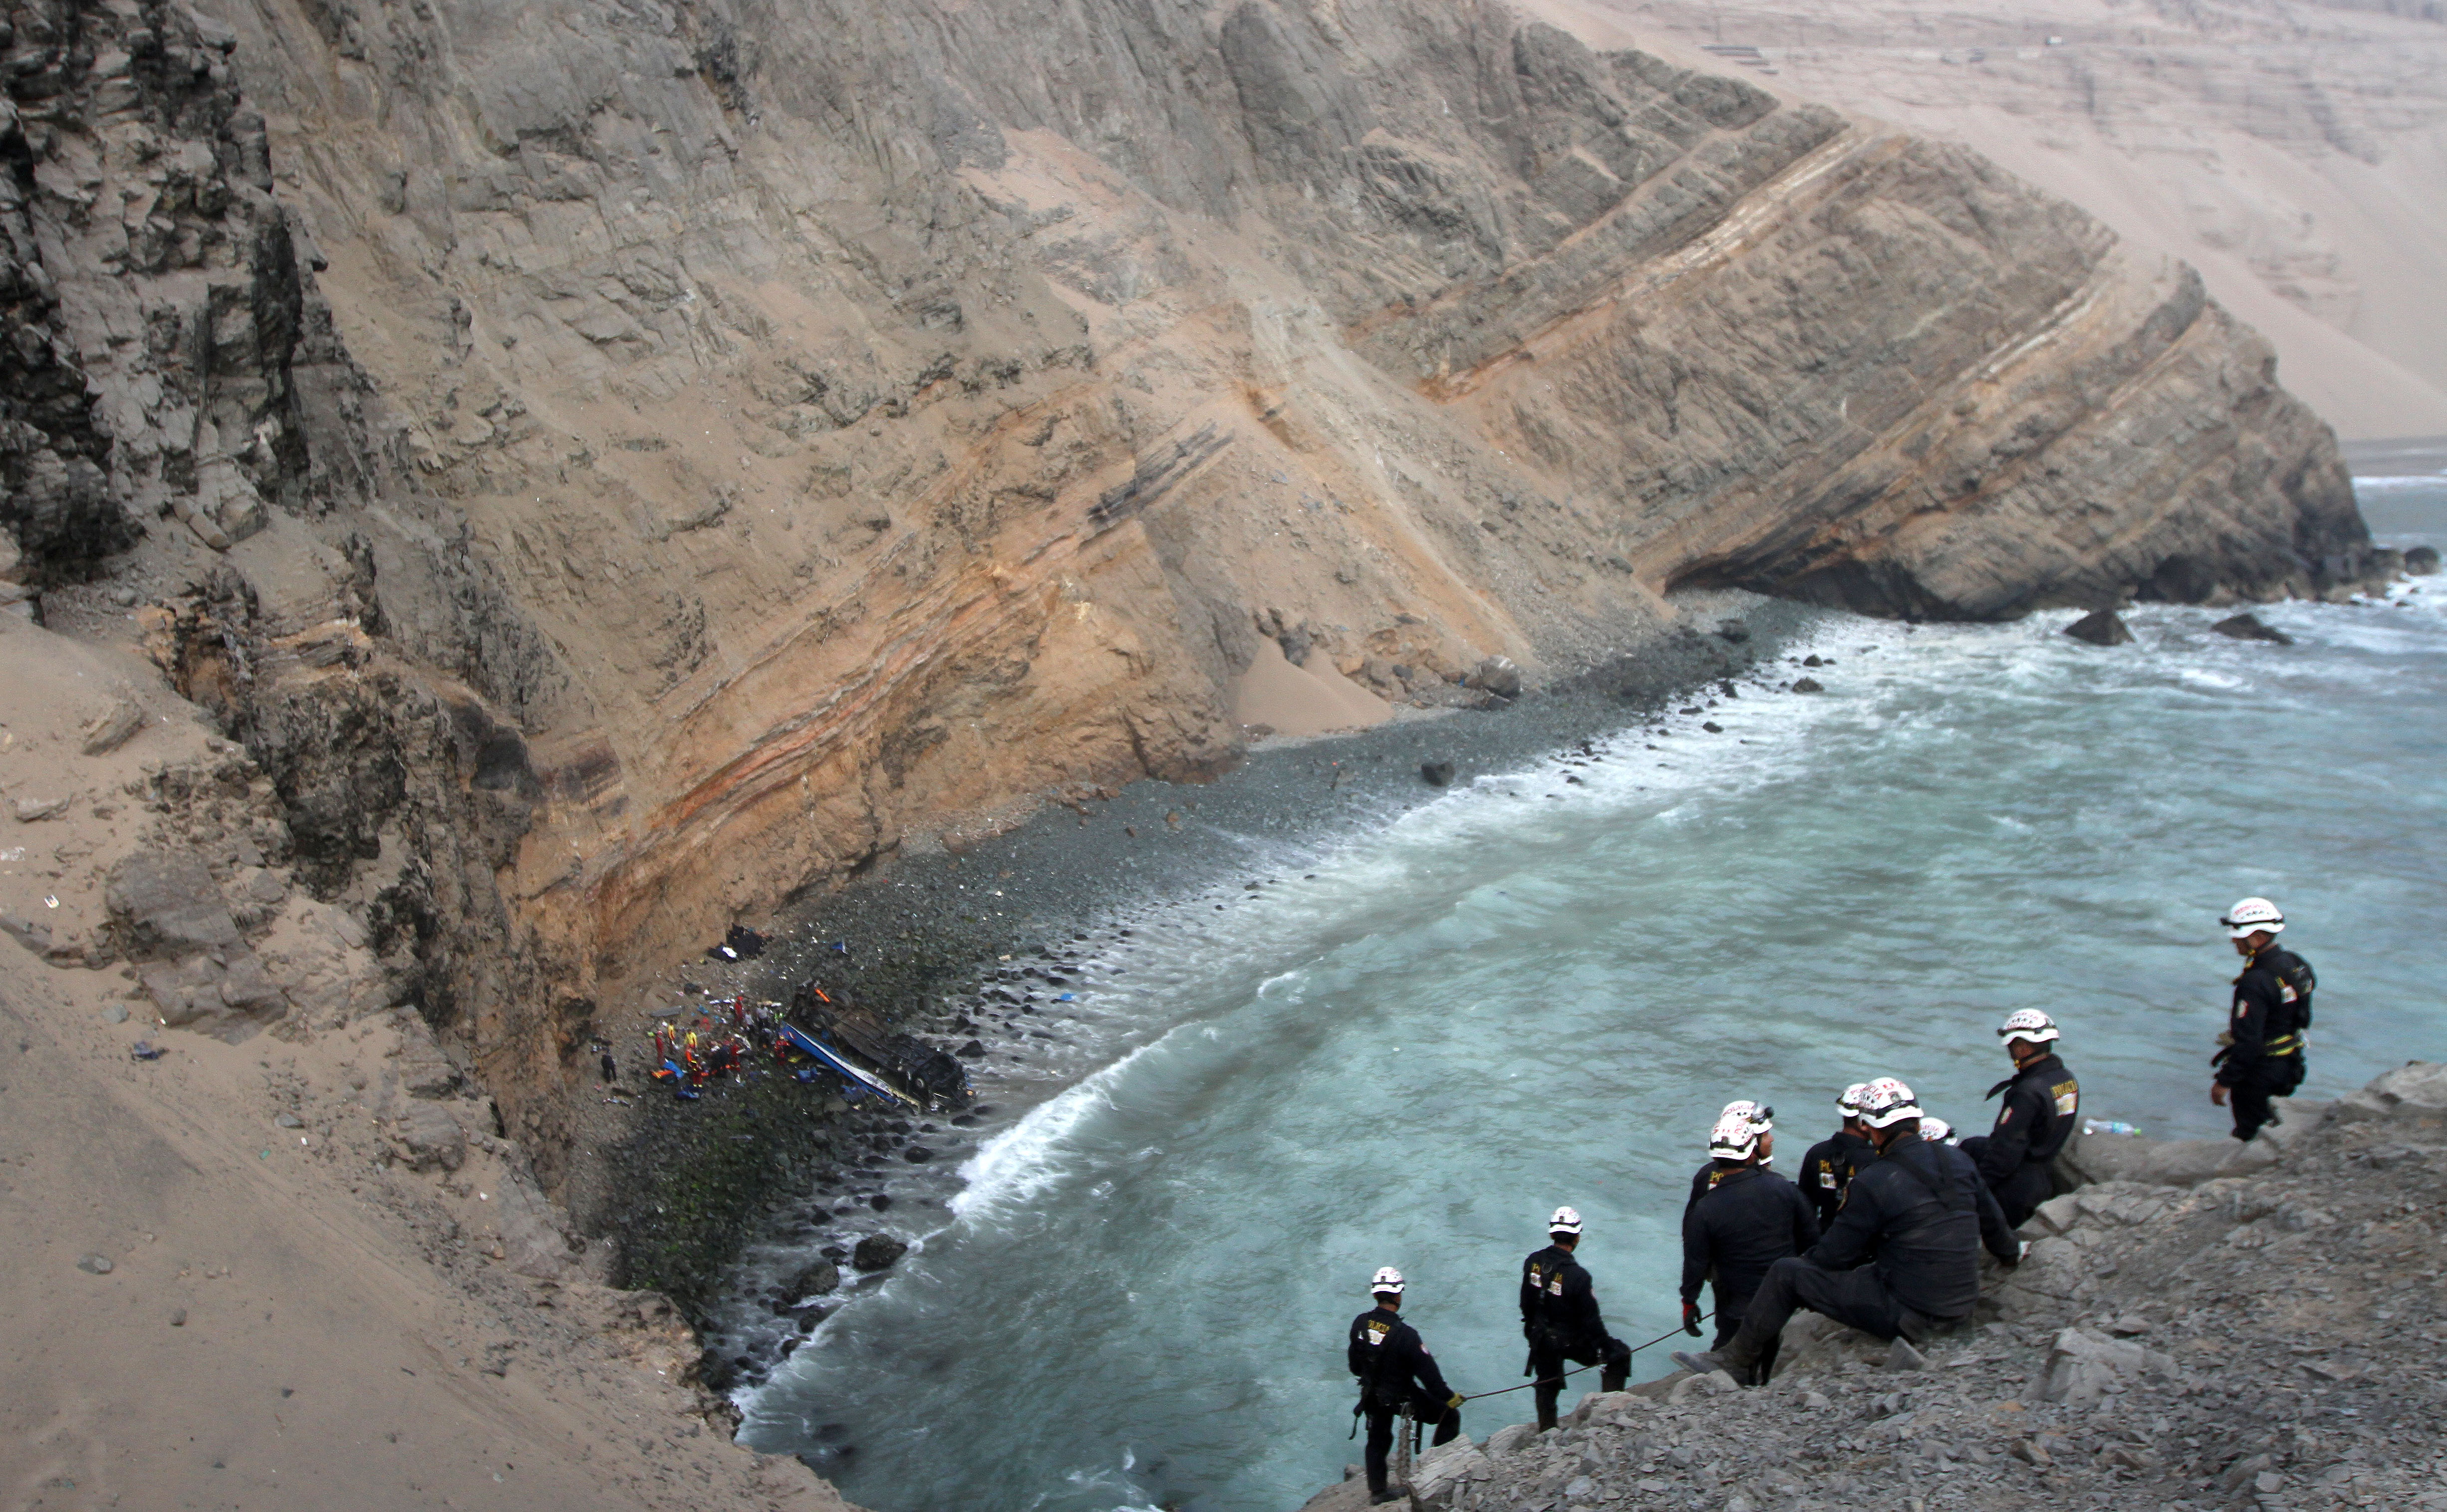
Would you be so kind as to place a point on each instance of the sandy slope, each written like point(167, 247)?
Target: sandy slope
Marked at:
point(2296, 153)
point(291, 1317)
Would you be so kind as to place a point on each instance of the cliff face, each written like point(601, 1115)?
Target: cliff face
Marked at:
point(616, 463)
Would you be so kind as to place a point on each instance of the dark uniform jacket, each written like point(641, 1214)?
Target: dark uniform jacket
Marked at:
point(1828, 1168)
point(2042, 1099)
point(1919, 1214)
point(1559, 1307)
point(1752, 1219)
point(1386, 1354)
point(2273, 1007)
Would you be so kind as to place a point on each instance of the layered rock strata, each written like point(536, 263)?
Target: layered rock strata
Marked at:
point(616, 465)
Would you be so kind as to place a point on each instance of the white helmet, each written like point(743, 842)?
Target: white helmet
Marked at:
point(1936, 1131)
point(1736, 1134)
point(1745, 1108)
point(1849, 1103)
point(1566, 1220)
point(1887, 1102)
point(2253, 916)
point(1387, 1279)
point(2028, 1024)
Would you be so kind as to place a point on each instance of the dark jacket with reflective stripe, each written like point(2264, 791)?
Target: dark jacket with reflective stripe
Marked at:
point(1828, 1168)
point(1750, 1219)
point(1558, 1302)
point(1919, 1214)
point(2042, 1099)
point(2273, 1007)
point(1387, 1355)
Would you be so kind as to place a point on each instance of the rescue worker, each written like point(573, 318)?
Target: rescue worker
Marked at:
point(1918, 1215)
point(1394, 1369)
point(1708, 1175)
point(1831, 1163)
point(2265, 1033)
point(1750, 1218)
point(2017, 1158)
point(1559, 1318)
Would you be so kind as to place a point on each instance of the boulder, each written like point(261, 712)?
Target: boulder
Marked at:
point(1498, 676)
point(113, 729)
point(1509, 1439)
point(1437, 774)
point(1440, 1474)
point(2185, 1162)
point(425, 1136)
point(2082, 1367)
point(2102, 627)
point(1808, 685)
point(2416, 1089)
point(2251, 627)
point(2088, 1158)
point(815, 1281)
point(423, 1071)
point(165, 905)
point(2421, 561)
point(877, 1252)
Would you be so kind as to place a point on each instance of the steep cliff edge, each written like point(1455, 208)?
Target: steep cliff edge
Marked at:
point(615, 465)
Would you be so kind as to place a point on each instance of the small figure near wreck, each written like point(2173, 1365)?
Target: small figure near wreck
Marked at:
point(1559, 1318)
point(1396, 1372)
point(1750, 1219)
point(1917, 1215)
point(2016, 1158)
point(2262, 1055)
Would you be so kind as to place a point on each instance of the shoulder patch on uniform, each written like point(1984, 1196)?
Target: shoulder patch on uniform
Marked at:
point(1377, 1332)
point(2068, 1096)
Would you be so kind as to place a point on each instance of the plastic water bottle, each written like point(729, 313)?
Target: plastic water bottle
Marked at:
point(2107, 1126)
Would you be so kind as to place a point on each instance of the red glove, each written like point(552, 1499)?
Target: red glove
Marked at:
point(1691, 1318)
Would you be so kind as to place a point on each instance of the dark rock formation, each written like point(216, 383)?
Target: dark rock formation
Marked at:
point(2100, 627)
point(2251, 627)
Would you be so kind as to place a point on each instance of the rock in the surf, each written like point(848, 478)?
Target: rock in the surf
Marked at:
point(817, 1280)
point(1808, 685)
point(1437, 774)
point(877, 1252)
point(2420, 561)
point(2102, 627)
point(2251, 627)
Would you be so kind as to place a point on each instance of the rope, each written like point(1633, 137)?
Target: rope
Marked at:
point(1568, 1374)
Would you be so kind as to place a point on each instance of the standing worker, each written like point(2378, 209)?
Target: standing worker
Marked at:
point(2264, 1036)
point(2017, 1158)
point(1831, 1163)
point(1918, 1215)
point(1395, 1371)
point(1559, 1318)
point(1750, 1218)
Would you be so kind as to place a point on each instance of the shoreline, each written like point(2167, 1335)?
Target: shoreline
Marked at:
point(936, 931)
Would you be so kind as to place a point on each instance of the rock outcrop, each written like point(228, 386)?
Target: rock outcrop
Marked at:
point(2264, 1341)
point(616, 465)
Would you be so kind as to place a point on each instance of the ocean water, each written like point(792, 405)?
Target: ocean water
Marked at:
point(1415, 1039)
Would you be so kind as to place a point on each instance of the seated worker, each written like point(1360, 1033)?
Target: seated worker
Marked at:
point(1750, 1218)
point(1830, 1163)
point(1918, 1215)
